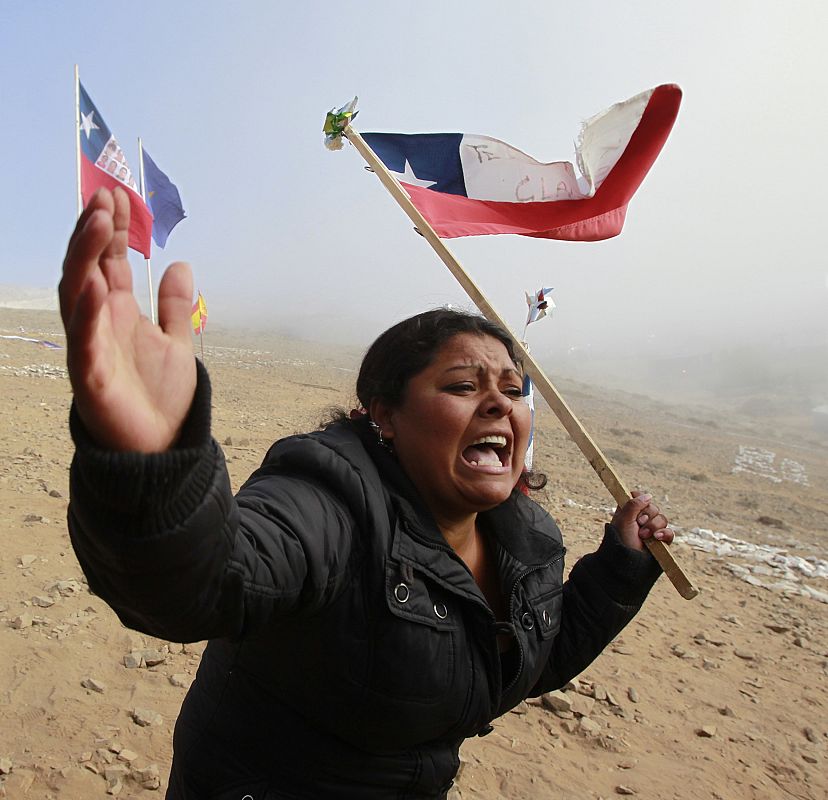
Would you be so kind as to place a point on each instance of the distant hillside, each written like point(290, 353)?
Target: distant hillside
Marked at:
point(29, 297)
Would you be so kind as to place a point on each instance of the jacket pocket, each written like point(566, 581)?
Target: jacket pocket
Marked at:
point(546, 610)
point(414, 645)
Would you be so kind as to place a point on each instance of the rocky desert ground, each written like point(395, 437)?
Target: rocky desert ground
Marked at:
point(721, 697)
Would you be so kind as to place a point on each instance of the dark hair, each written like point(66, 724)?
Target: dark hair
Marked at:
point(408, 347)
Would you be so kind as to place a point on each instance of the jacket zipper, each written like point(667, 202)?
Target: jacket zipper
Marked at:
point(512, 597)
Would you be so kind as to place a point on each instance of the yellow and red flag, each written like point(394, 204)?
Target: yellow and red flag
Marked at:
point(199, 315)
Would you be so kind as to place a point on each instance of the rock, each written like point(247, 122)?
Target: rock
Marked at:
point(54, 493)
point(799, 641)
point(627, 764)
point(94, 685)
point(183, 681)
point(611, 699)
point(632, 693)
point(727, 711)
point(706, 731)
point(557, 701)
point(26, 560)
point(811, 759)
point(153, 657)
point(42, 601)
point(6, 766)
point(744, 654)
point(228, 441)
point(776, 627)
point(581, 705)
point(174, 648)
point(22, 621)
point(710, 663)
point(599, 692)
point(146, 717)
point(732, 619)
point(811, 735)
point(128, 756)
point(627, 790)
point(570, 725)
point(148, 777)
point(134, 660)
point(35, 518)
point(520, 709)
point(588, 726)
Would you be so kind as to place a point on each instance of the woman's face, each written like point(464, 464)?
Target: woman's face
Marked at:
point(462, 429)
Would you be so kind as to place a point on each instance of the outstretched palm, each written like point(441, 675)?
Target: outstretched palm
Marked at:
point(133, 381)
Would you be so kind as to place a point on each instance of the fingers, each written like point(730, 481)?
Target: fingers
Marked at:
point(175, 301)
point(114, 262)
point(641, 513)
point(92, 234)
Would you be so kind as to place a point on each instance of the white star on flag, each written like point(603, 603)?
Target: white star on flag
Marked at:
point(87, 123)
point(408, 176)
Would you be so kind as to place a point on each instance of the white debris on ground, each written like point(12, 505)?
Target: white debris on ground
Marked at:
point(756, 461)
point(51, 371)
point(774, 569)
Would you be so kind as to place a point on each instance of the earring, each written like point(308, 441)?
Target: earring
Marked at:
point(378, 431)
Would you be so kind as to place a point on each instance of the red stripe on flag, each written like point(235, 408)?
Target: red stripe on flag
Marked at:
point(598, 217)
point(140, 217)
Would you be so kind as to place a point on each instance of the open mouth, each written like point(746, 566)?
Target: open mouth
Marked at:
point(488, 451)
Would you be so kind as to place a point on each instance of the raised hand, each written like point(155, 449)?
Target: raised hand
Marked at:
point(639, 519)
point(133, 381)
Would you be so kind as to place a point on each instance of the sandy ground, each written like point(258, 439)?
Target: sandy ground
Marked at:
point(721, 697)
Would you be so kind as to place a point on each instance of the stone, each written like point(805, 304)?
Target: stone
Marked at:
point(744, 654)
point(26, 560)
point(611, 699)
point(153, 657)
point(581, 705)
point(6, 766)
point(183, 681)
point(599, 692)
point(94, 685)
point(128, 756)
point(520, 709)
point(22, 621)
point(811, 759)
point(811, 735)
point(632, 693)
point(570, 725)
point(54, 493)
point(148, 777)
point(42, 601)
point(146, 717)
point(557, 701)
point(589, 726)
point(134, 660)
point(706, 731)
point(727, 711)
point(626, 790)
point(35, 518)
point(629, 763)
point(777, 627)
point(732, 619)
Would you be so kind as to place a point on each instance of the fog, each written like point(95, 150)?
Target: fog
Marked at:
point(718, 283)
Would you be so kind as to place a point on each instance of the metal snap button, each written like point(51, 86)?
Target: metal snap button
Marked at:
point(527, 621)
point(440, 610)
point(547, 620)
point(401, 593)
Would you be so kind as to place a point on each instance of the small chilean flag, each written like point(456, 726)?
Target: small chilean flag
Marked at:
point(103, 164)
point(469, 185)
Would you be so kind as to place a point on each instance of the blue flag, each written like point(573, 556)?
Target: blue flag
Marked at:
point(164, 200)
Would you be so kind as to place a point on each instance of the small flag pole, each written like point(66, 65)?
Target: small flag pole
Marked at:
point(78, 140)
point(201, 339)
point(567, 418)
point(147, 260)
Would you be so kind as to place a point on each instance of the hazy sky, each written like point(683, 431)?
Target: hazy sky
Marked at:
point(724, 241)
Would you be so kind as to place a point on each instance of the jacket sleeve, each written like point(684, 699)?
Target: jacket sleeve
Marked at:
point(604, 591)
point(163, 541)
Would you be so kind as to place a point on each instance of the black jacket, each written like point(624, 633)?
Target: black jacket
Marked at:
point(350, 651)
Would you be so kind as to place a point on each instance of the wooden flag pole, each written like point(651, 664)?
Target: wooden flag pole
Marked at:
point(568, 419)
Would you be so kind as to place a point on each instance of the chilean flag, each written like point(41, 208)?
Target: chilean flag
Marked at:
point(468, 185)
point(103, 164)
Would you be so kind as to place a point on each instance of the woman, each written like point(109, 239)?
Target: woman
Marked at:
point(376, 592)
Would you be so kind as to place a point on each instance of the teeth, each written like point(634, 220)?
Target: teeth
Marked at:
point(500, 441)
